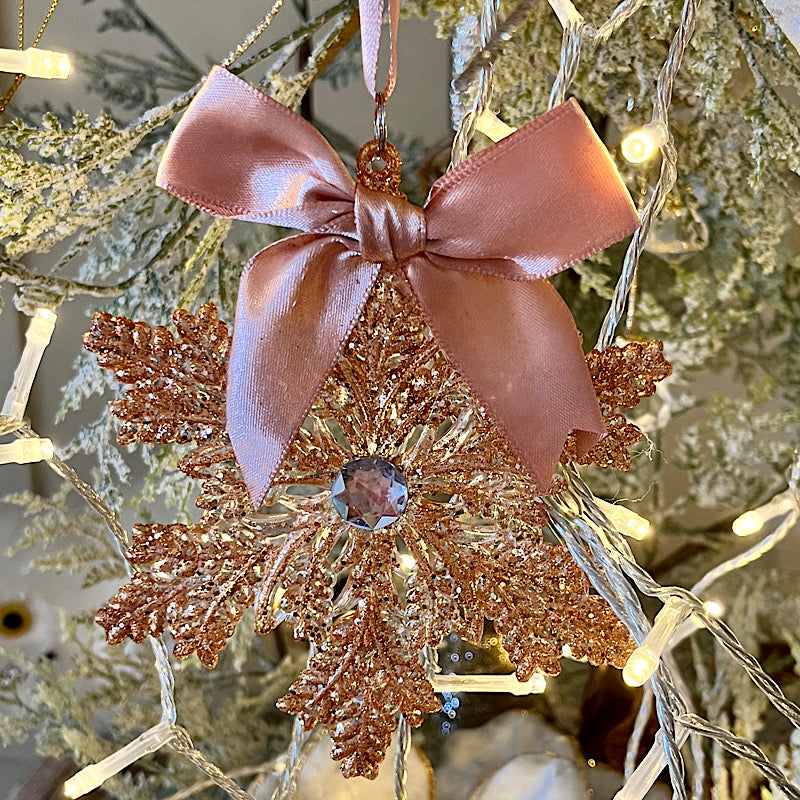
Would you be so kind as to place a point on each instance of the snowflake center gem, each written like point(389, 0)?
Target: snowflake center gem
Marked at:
point(369, 493)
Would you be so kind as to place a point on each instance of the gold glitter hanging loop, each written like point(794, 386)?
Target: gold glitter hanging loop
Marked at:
point(383, 177)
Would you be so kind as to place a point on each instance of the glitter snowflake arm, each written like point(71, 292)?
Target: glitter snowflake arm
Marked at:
point(622, 376)
point(177, 382)
point(177, 394)
point(534, 592)
point(297, 585)
point(196, 588)
point(364, 672)
point(224, 497)
point(446, 592)
point(540, 602)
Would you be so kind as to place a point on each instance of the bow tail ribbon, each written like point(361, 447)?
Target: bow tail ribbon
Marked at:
point(516, 344)
point(292, 322)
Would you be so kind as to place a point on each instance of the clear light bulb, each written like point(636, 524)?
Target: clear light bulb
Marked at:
point(493, 127)
point(714, 607)
point(507, 684)
point(407, 562)
point(643, 661)
point(538, 683)
point(95, 775)
point(639, 668)
point(640, 145)
point(37, 337)
point(627, 522)
point(36, 63)
point(753, 521)
point(26, 451)
point(748, 523)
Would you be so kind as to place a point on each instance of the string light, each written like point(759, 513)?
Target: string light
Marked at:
point(640, 145)
point(35, 63)
point(649, 768)
point(490, 125)
point(747, 524)
point(407, 562)
point(653, 764)
point(508, 684)
point(643, 661)
point(26, 451)
point(753, 521)
point(714, 607)
point(627, 522)
point(38, 335)
point(95, 775)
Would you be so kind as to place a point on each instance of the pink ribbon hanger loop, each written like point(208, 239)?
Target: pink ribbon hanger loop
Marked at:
point(371, 13)
point(476, 256)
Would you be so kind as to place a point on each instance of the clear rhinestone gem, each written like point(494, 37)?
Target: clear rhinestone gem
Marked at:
point(369, 493)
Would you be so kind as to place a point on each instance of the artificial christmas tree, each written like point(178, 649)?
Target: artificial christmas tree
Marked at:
point(711, 275)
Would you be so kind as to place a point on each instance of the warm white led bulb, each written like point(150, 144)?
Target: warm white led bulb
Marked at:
point(753, 521)
point(407, 562)
point(84, 782)
point(627, 522)
point(639, 667)
point(650, 767)
point(643, 661)
point(26, 451)
point(640, 145)
point(493, 127)
point(537, 683)
point(47, 64)
point(714, 607)
point(35, 63)
point(748, 523)
point(95, 775)
point(37, 337)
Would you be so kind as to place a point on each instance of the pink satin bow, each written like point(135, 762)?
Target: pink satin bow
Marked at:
point(475, 256)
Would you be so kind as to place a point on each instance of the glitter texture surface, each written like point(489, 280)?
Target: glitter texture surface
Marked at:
point(471, 530)
point(621, 376)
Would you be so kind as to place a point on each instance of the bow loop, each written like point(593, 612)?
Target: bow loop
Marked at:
point(239, 153)
point(542, 199)
point(390, 229)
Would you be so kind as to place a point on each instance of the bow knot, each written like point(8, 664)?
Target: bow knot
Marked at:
point(390, 229)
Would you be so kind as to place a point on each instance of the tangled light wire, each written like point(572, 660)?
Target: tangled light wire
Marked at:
point(788, 515)
point(610, 565)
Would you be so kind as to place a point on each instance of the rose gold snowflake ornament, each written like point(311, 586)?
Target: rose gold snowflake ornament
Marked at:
point(396, 458)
